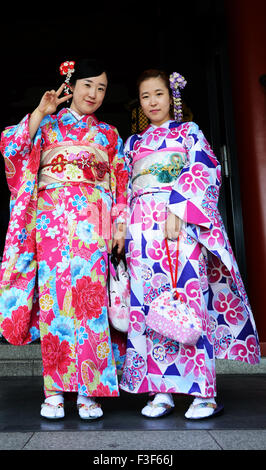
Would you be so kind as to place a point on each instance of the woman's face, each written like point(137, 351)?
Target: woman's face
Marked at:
point(155, 100)
point(88, 94)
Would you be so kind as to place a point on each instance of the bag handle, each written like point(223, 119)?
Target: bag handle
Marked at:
point(174, 279)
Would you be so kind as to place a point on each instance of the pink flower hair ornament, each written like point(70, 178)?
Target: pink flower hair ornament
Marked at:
point(67, 68)
point(177, 83)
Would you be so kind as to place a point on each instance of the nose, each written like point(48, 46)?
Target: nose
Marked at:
point(153, 100)
point(92, 92)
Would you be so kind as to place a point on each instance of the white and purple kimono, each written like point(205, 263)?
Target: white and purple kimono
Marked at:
point(174, 169)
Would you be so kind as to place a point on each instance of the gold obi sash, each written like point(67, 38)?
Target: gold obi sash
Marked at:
point(74, 162)
point(157, 169)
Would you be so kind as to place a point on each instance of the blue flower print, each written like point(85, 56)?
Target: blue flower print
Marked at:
point(35, 333)
point(11, 149)
point(81, 124)
point(109, 377)
point(103, 265)
point(65, 251)
point(22, 236)
point(43, 273)
point(85, 231)
point(98, 325)
point(67, 119)
point(23, 263)
point(81, 335)
point(63, 327)
point(80, 268)
point(11, 300)
point(82, 390)
point(79, 202)
point(29, 187)
point(119, 360)
point(101, 139)
point(42, 222)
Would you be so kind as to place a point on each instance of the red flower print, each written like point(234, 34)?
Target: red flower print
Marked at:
point(89, 298)
point(56, 355)
point(104, 391)
point(59, 163)
point(121, 181)
point(16, 327)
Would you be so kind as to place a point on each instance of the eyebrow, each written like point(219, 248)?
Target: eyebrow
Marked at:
point(157, 89)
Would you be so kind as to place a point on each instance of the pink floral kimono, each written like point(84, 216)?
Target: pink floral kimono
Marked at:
point(65, 198)
point(174, 169)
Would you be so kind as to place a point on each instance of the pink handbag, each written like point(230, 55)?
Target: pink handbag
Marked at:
point(170, 316)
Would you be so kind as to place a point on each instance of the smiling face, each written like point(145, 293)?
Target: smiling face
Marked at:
point(88, 94)
point(155, 100)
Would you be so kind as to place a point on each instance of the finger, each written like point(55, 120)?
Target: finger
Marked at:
point(64, 98)
point(60, 89)
point(49, 93)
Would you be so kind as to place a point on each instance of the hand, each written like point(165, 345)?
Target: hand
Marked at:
point(51, 100)
point(119, 238)
point(172, 226)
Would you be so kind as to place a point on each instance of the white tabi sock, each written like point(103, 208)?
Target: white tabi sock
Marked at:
point(88, 412)
point(159, 398)
point(54, 399)
point(195, 411)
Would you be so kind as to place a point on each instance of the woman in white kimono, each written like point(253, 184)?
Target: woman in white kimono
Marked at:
point(174, 188)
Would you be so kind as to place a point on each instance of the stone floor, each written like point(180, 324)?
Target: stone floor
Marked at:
point(242, 426)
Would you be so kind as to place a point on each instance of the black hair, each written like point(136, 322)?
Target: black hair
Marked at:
point(85, 68)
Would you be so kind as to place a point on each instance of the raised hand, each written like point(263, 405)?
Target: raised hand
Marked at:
point(48, 105)
point(51, 100)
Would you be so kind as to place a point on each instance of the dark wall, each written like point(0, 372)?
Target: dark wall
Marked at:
point(129, 36)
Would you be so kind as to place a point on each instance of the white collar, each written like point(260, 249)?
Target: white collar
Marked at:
point(165, 124)
point(75, 114)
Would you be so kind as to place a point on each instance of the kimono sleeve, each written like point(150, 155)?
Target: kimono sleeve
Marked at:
point(15, 144)
point(120, 173)
point(194, 196)
point(20, 153)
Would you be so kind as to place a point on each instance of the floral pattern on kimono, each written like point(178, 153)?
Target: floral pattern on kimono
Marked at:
point(208, 275)
point(54, 269)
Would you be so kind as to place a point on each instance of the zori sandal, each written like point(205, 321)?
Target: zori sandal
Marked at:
point(194, 410)
point(149, 411)
point(92, 411)
point(50, 411)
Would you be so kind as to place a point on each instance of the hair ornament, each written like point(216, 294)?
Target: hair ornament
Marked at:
point(67, 68)
point(177, 83)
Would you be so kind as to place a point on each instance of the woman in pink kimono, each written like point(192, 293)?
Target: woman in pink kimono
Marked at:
point(174, 188)
point(67, 205)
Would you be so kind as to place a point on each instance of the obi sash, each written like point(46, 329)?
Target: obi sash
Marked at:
point(76, 162)
point(157, 169)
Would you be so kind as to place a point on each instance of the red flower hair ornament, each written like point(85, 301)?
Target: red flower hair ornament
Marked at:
point(67, 68)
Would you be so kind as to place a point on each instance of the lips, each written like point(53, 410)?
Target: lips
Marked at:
point(90, 102)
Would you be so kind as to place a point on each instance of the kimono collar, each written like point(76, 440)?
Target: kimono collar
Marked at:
point(89, 118)
point(166, 124)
